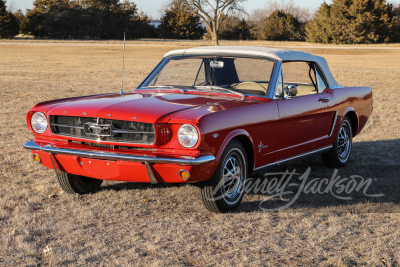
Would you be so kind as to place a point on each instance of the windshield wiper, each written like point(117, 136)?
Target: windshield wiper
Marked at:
point(217, 88)
point(165, 86)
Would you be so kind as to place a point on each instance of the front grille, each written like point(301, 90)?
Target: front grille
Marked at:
point(122, 131)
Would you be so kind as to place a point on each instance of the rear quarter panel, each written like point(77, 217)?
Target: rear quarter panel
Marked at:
point(353, 99)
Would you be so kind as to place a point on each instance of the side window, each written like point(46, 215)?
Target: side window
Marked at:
point(302, 75)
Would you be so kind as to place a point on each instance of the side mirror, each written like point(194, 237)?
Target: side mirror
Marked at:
point(291, 90)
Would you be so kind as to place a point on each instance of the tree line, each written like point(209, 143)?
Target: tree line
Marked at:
point(343, 21)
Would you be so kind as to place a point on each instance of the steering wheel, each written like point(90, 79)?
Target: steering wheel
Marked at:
point(243, 84)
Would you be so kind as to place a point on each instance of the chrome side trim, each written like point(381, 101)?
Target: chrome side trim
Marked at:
point(32, 145)
point(295, 157)
point(334, 124)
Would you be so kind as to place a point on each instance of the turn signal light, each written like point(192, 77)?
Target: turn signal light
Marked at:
point(37, 158)
point(184, 175)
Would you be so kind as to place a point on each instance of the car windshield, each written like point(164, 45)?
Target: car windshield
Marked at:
point(238, 75)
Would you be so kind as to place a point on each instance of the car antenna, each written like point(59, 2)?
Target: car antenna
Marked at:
point(122, 78)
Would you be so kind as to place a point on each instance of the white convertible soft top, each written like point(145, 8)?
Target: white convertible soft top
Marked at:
point(275, 53)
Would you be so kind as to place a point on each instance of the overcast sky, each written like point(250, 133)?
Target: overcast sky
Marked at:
point(153, 7)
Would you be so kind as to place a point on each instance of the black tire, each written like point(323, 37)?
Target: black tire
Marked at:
point(339, 155)
point(73, 184)
point(225, 190)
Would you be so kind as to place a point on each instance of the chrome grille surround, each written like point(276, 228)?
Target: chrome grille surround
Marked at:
point(123, 131)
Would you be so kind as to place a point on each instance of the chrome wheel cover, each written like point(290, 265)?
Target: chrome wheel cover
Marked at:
point(344, 142)
point(233, 174)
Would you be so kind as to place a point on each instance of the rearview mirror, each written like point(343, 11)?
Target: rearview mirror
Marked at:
point(217, 64)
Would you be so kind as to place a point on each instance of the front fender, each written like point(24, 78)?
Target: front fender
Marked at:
point(228, 138)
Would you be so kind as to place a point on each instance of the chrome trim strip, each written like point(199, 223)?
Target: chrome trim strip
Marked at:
point(334, 124)
point(133, 132)
point(31, 145)
point(295, 157)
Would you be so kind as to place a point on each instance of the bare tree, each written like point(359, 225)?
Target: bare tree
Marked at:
point(213, 12)
point(287, 6)
point(11, 6)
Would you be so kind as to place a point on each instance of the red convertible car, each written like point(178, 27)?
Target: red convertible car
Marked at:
point(212, 115)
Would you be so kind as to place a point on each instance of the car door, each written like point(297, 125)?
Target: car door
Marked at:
point(305, 118)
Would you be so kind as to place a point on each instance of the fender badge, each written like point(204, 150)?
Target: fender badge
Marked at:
point(215, 135)
point(261, 146)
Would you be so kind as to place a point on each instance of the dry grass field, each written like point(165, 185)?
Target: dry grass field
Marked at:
point(145, 225)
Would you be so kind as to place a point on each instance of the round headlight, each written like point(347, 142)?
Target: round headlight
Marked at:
point(188, 135)
point(39, 122)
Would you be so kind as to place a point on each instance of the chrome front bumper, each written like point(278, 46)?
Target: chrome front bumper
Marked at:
point(147, 160)
point(32, 145)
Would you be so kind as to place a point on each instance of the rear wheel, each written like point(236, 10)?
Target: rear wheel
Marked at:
point(72, 183)
point(339, 155)
point(225, 190)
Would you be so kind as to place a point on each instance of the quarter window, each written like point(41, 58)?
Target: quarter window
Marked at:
point(320, 82)
point(279, 86)
point(304, 75)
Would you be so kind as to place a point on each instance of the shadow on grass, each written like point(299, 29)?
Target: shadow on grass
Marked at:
point(367, 184)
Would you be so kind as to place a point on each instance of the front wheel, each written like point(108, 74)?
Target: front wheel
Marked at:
point(225, 190)
point(339, 155)
point(73, 184)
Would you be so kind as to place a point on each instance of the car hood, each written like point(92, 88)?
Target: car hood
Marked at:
point(144, 107)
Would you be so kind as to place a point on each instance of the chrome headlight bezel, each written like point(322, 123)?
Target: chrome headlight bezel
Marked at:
point(188, 135)
point(39, 122)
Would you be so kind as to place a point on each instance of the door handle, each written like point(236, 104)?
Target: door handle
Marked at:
point(324, 99)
